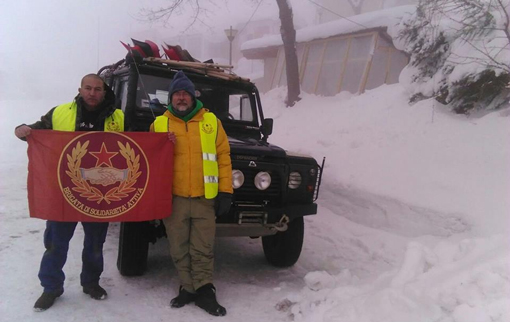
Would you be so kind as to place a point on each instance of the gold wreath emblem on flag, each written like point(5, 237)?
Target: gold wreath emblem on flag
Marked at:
point(93, 194)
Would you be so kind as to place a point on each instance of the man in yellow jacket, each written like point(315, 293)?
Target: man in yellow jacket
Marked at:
point(202, 189)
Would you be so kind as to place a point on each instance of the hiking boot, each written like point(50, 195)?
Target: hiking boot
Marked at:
point(206, 300)
point(183, 298)
point(46, 300)
point(95, 291)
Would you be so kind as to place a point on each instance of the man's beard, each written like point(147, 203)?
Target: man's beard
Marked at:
point(185, 112)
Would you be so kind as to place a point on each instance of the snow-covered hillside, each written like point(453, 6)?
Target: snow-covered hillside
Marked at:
point(413, 224)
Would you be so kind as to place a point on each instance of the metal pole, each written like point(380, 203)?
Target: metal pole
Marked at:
point(231, 40)
point(230, 56)
point(231, 33)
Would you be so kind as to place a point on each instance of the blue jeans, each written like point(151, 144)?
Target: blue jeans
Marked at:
point(56, 240)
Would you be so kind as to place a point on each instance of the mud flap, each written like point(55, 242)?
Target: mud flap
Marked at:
point(133, 248)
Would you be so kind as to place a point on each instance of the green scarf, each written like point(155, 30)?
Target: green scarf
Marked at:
point(188, 116)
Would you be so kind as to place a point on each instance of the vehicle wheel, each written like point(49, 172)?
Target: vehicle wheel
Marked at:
point(133, 248)
point(283, 248)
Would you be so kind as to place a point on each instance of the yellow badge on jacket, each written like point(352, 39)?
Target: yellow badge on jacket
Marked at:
point(113, 126)
point(207, 128)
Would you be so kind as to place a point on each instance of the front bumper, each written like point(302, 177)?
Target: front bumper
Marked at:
point(259, 220)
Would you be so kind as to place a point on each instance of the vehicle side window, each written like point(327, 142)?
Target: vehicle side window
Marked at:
point(123, 95)
point(152, 92)
point(239, 108)
point(120, 89)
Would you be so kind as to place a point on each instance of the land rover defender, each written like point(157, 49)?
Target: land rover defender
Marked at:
point(273, 188)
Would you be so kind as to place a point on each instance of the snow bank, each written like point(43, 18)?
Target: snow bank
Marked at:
point(457, 281)
point(455, 171)
point(422, 155)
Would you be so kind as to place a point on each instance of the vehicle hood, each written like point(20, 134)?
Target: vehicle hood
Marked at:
point(252, 147)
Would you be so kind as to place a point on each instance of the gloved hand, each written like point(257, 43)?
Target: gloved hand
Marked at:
point(222, 203)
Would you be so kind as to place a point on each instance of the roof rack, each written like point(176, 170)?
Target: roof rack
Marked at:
point(209, 69)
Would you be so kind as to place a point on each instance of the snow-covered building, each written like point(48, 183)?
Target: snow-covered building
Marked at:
point(328, 10)
point(351, 54)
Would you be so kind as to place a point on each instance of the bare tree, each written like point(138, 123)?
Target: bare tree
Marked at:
point(356, 6)
point(461, 51)
point(288, 33)
point(287, 30)
point(476, 22)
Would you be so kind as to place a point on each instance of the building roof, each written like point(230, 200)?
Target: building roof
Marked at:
point(374, 20)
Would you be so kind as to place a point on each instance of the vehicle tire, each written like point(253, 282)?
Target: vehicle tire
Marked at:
point(283, 248)
point(133, 248)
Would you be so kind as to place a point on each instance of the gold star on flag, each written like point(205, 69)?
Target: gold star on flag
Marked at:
point(103, 156)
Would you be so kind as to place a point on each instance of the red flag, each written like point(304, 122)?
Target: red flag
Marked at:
point(99, 176)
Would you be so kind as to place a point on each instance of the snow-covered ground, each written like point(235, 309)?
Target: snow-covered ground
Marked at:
point(413, 224)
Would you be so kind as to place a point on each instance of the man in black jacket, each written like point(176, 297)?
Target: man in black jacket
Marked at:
point(93, 109)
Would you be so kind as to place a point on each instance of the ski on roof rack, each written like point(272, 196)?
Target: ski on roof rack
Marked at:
point(214, 70)
point(178, 58)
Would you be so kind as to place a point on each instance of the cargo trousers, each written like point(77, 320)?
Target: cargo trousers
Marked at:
point(191, 231)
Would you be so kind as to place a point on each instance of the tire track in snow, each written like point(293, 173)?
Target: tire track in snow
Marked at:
point(389, 214)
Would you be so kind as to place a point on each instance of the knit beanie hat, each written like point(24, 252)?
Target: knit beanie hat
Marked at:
point(181, 82)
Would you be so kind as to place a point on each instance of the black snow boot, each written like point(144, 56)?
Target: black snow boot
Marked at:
point(46, 300)
point(206, 300)
point(183, 298)
point(95, 291)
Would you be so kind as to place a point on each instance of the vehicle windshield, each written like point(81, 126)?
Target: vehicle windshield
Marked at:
point(228, 104)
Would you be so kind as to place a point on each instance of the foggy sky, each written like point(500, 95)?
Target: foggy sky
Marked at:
point(47, 46)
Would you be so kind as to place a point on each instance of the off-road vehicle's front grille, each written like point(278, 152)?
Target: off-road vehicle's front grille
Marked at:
point(248, 192)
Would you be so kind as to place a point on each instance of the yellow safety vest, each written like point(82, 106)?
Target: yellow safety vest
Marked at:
point(64, 119)
point(208, 132)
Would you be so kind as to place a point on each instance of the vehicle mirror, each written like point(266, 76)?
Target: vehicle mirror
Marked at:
point(267, 127)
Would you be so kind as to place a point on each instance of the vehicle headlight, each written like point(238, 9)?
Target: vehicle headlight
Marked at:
point(237, 179)
point(262, 180)
point(294, 180)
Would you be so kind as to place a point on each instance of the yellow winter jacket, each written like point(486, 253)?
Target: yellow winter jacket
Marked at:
point(188, 178)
